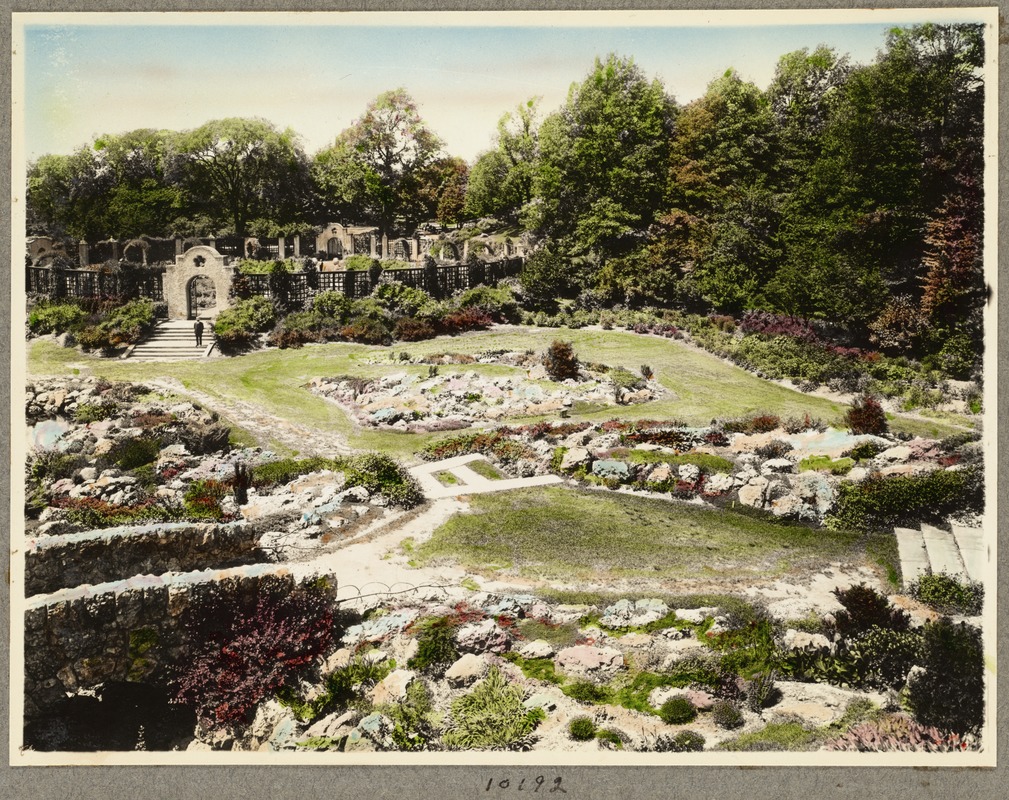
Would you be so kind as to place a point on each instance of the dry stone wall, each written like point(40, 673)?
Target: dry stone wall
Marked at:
point(60, 562)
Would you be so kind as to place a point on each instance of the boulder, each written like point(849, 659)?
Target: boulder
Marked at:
point(588, 661)
point(539, 648)
point(467, 670)
point(689, 472)
point(788, 506)
point(719, 482)
point(898, 454)
point(629, 613)
point(392, 688)
point(482, 637)
point(752, 494)
point(777, 466)
point(609, 468)
point(661, 473)
point(802, 640)
point(574, 458)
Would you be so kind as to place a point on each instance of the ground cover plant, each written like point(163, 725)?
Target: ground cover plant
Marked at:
point(564, 533)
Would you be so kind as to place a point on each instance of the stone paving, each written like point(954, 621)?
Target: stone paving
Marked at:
point(469, 481)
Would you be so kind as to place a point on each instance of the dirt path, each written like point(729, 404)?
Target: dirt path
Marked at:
point(268, 429)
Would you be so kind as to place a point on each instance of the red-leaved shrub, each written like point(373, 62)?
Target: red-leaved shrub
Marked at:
point(243, 647)
point(409, 329)
point(866, 415)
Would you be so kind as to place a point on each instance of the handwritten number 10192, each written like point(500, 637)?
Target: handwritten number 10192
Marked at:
point(535, 785)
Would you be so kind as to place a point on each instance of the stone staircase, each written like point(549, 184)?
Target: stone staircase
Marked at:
point(961, 552)
point(173, 340)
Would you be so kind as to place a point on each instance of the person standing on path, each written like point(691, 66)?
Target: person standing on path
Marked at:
point(198, 329)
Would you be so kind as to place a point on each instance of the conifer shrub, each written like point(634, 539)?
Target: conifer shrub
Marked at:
point(242, 647)
point(560, 361)
point(949, 693)
point(865, 608)
point(866, 415)
point(883, 657)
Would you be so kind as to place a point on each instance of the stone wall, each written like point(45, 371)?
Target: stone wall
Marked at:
point(127, 631)
point(95, 557)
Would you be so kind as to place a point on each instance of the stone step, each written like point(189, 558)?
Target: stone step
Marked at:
point(913, 556)
point(973, 550)
point(943, 553)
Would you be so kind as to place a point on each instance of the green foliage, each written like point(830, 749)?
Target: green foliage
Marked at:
point(133, 453)
point(238, 325)
point(251, 266)
point(686, 742)
point(948, 594)
point(48, 317)
point(865, 450)
point(677, 711)
point(540, 669)
point(498, 301)
point(413, 718)
point(123, 325)
point(949, 694)
point(776, 736)
point(726, 714)
point(865, 608)
point(380, 473)
point(491, 717)
point(625, 379)
point(760, 690)
point(277, 473)
point(560, 361)
point(400, 299)
point(879, 503)
point(358, 262)
point(883, 657)
point(94, 412)
point(581, 729)
point(841, 466)
point(436, 649)
point(202, 499)
point(331, 305)
point(588, 692)
point(341, 687)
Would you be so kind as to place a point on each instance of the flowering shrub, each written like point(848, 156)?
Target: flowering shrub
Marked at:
point(241, 649)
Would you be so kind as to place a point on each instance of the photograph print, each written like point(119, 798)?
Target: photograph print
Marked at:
point(522, 387)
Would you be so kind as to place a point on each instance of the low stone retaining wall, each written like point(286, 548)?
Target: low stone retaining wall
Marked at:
point(61, 562)
point(124, 631)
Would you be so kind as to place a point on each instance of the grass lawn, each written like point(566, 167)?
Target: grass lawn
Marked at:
point(485, 469)
point(702, 386)
point(559, 533)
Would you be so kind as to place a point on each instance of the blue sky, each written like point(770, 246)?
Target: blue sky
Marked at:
point(82, 80)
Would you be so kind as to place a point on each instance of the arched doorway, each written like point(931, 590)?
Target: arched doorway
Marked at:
point(334, 248)
point(201, 293)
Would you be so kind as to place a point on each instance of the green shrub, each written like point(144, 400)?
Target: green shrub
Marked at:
point(677, 711)
point(238, 325)
point(879, 503)
point(413, 718)
point(399, 298)
point(252, 266)
point(581, 729)
point(498, 301)
point(380, 473)
point(588, 692)
point(123, 325)
point(884, 657)
point(841, 466)
point(760, 691)
point(625, 379)
point(133, 453)
point(865, 450)
point(686, 742)
point(560, 361)
point(94, 412)
point(277, 473)
point(202, 499)
point(491, 716)
point(949, 694)
point(948, 594)
point(436, 649)
point(865, 608)
point(56, 317)
point(331, 305)
point(608, 736)
point(726, 714)
point(358, 262)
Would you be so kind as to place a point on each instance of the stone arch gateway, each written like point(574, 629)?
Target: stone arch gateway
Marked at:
point(197, 262)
